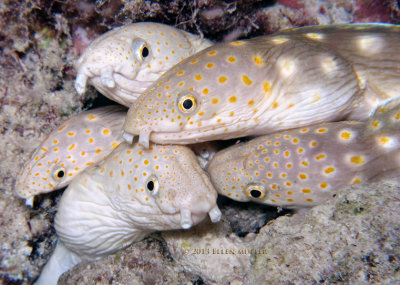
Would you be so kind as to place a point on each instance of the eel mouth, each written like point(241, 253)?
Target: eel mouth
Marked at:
point(203, 134)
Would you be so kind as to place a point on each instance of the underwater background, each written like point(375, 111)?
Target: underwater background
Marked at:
point(351, 239)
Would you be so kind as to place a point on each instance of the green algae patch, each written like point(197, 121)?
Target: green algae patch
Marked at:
point(350, 208)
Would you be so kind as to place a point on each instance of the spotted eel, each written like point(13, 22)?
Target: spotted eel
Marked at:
point(305, 166)
point(123, 62)
point(131, 193)
point(254, 87)
point(80, 141)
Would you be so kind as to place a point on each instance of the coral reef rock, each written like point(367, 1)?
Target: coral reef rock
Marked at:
point(351, 239)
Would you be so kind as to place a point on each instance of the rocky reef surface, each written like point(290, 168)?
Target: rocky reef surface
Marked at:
point(353, 238)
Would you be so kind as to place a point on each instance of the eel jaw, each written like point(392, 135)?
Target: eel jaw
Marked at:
point(215, 214)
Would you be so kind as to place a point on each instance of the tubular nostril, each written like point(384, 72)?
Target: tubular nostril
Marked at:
point(107, 77)
point(186, 219)
point(144, 139)
point(128, 137)
point(80, 83)
point(29, 201)
point(215, 214)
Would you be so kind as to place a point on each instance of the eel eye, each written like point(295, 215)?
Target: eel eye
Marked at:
point(152, 185)
point(145, 52)
point(141, 49)
point(256, 191)
point(59, 173)
point(187, 103)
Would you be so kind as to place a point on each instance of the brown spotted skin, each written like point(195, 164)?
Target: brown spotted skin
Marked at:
point(270, 83)
point(306, 166)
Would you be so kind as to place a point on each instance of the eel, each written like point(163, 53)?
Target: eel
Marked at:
point(123, 62)
point(305, 166)
point(270, 83)
point(80, 141)
point(120, 200)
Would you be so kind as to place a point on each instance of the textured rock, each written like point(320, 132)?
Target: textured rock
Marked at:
point(209, 251)
point(145, 262)
point(36, 93)
point(353, 238)
point(245, 218)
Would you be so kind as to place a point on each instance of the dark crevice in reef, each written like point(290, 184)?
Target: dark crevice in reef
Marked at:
point(163, 247)
point(248, 217)
point(52, 197)
point(5, 280)
point(198, 281)
point(97, 102)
